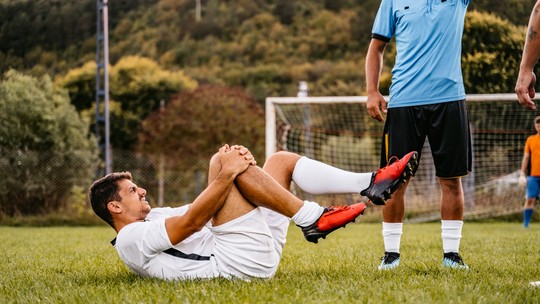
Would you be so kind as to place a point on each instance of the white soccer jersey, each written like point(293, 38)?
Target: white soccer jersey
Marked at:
point(243, 248)
point(146, 249)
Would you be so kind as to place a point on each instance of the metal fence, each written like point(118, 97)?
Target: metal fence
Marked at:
point(34, 183)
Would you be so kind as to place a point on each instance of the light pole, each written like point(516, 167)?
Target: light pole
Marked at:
point(102, 81)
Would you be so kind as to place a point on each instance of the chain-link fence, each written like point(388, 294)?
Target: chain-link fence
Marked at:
point(36, 184)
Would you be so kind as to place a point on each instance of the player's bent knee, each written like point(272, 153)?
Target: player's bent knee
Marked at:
point(283, 158)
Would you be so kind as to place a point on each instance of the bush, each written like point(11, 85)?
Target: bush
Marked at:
point(45, 148)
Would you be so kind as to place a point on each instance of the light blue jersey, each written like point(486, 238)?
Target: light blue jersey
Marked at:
point(428, 42)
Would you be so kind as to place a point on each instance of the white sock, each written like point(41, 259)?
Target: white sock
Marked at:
point(451, 235)
point(318, 178)
point(392, 236)
point(308, 214)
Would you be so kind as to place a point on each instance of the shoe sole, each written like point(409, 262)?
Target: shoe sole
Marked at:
point(316, 234)
point(454, 265)
point(412, 163)
point(389, 266)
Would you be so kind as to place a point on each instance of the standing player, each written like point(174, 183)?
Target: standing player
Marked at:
point(427, 99)
point(525, 92)
point(531, 156)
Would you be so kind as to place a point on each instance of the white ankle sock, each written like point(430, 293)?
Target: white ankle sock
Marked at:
point(392, 236)
point(318, 178)
point(308, 214)
point(451, 235)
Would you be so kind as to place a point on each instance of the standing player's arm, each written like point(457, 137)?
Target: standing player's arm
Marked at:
point(233, 162)
point(531, 54)
point(524, 163)
point(374, 63)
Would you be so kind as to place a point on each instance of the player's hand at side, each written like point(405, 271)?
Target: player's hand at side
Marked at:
point(525, 89)
point(376, 104)
point(233, 160)
point(522, 180)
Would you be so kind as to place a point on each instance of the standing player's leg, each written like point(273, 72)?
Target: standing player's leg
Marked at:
point(452, 156)
point(452, 204)
point(532, 192)
point(404, 131)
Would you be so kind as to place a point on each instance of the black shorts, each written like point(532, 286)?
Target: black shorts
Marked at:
point(445, 125)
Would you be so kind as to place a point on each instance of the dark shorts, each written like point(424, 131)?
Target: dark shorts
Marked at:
point(446, 127)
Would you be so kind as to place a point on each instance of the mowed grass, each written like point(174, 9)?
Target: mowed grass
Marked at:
point(78, 265)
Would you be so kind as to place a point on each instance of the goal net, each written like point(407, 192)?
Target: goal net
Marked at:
point(339, 132)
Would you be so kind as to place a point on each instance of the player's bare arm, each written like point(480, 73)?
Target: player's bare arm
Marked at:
point(525, 162)
point(531, 54)
point(233, 161)
point(374, 62)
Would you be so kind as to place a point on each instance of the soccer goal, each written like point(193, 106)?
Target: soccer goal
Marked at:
point(338, 131)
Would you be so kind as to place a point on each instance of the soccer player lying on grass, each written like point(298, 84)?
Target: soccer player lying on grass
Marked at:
point(237, 226)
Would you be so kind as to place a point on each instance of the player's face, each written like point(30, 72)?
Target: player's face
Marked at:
point(134, 204)
point(537, 125)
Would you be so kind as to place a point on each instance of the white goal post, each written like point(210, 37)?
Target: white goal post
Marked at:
point(337, 130)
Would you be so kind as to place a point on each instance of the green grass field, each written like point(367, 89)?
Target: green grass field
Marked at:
point(78, 265)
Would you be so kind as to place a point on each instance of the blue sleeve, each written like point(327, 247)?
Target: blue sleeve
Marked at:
point(384, 24)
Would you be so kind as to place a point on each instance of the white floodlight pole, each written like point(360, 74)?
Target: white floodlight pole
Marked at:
point(108, 158)
point(102, 84)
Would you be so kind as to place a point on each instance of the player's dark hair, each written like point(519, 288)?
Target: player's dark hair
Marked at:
point(105, 190)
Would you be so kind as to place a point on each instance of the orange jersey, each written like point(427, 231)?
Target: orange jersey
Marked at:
point(532, 147)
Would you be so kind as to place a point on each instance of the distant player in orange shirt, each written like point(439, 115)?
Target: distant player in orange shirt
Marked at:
point(531, 156)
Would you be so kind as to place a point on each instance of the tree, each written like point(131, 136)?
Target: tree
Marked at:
point(80, 84)
point(195, 124)
point(492, 50)
point(45, 148)
point(182, 137)
point(137, 86)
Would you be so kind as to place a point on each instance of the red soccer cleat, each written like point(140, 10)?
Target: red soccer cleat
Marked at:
point(386, 180)
point(333, 217)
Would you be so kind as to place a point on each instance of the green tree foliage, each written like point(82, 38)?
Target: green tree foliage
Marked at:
point(45, 148)
point(196, 123)
point(491, 53)
point(80, 83)
point(515, 11)
point(137, 87)
point(54, 34)
point(140, 84)
point(285, 10)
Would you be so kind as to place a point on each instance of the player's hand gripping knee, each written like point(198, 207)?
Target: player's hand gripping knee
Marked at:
point(234, 161)
point(247, 154)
